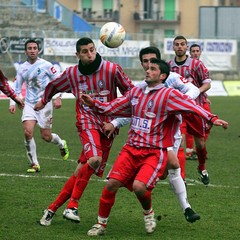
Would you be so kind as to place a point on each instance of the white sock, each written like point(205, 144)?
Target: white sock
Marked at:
point(102, 221)
point(31, 151)
point(179, 187)
point(146, 212)
point(189, 150)
point(57, 140)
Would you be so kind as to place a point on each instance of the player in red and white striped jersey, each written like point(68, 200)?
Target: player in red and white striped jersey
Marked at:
point(6, 89)
point(100, 78)
point(143, 159)
point(175, 81)
point(195, 71)
point(195, 53)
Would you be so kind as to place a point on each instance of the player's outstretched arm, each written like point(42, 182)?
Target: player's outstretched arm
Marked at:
point(220, 122)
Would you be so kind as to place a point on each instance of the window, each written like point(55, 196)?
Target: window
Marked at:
point(168, 33)
point(169, 12)
point(87, 8)
point(107, 8)
point(148, 8)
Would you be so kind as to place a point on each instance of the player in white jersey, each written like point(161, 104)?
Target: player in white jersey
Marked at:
point(176, 81)
point(37, 73)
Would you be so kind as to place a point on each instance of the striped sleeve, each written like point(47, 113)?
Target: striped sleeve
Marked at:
point(179, 102)
point(60, 84)
point(5, 87)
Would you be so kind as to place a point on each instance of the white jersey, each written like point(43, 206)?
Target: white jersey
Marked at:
point(36, 76)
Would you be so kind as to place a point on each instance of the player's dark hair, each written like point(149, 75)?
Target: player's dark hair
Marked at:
point(83, 41)
point(163, 66)
point(195, 45)
point(180, 37)
point(31, 41)
point(148, 50)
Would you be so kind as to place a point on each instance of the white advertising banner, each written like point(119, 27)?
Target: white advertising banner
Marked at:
point(217, 89)
point(208, 46)
point(216, 53)
point(67, 47)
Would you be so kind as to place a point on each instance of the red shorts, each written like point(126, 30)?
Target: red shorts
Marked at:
point(95, 144)
point(146, 165)
point(193, 124)
point(206, 106)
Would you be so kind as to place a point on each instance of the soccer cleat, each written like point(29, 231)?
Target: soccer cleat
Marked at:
point(150, 222)
point(34, 169)
point(47, 217)
point(191, 156)
point(190, 215)
point(97, 230)
point(71, 214)
point(64, 151)
point(204, 176)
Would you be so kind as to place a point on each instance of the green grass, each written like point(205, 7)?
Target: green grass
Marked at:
point(23, 197)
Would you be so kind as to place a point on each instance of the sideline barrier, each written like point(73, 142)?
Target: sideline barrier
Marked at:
point(218, 88)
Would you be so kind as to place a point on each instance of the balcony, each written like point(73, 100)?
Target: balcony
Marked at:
point(105, 15)
point(156, 16)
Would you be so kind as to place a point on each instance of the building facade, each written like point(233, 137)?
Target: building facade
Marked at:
point(164, 18)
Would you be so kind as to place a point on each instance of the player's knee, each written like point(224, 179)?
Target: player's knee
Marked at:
point(139, 188)
point(95, 162)
point(28, 134)
point(113, 185)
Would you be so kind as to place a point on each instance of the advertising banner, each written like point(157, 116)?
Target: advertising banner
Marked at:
point(67, 47)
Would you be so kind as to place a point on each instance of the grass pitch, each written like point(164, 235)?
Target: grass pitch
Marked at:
point(23, 197)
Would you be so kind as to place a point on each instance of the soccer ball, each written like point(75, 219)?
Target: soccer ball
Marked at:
point(112, 34)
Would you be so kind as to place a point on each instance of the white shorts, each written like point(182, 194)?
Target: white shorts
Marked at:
point(43, 117)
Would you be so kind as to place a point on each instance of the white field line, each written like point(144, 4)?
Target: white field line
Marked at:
point(189, 181)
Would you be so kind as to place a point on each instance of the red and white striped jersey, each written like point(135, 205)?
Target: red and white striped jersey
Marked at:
point(4, 86)
point(195, 72)
point(153, 121)
point(101, 85)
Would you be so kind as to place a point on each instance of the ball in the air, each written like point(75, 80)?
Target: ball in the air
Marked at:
point(112, 34)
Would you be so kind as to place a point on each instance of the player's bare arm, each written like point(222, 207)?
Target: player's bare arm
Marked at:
point(19, 102)
point(39, 105)
point(86, 100)
point(57, 103)
point(205, 87)
point(220, 122)
point(108, 129)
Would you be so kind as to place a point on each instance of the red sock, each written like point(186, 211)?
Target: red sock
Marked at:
point(202, 154)
point(182, 161)
point(81, 182)
point(189, 141)
point(64, 195)
point(145, 200)
point(106, 202)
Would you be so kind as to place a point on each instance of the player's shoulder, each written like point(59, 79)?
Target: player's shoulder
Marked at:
point(44, 62)
point(23, 66)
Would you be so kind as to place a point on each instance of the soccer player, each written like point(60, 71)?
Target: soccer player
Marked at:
point(176, 81)
point(195, 71)
point(37, 73)
point(143, 159)
point(6, 89)
point(195, 53)
point(100, 78)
